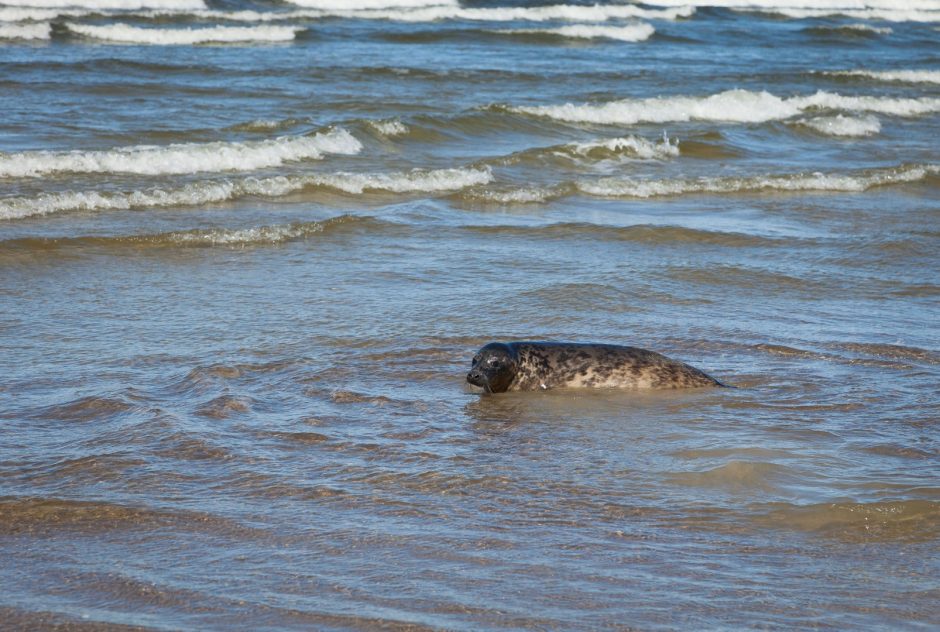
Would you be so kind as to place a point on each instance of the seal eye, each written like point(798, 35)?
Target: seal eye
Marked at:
point(493, 362)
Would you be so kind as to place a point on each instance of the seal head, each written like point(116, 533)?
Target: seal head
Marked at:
point(494, 368)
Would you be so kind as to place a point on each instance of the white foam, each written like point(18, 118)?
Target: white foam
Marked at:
point(41, 31)
point(890, 10)
point(210, 192)
point(630, 33)
point(568, 13)
point(864, 28)
point(418, 180)
point(925, 5)
point(633, 145)
point(126, 33)
point(25, 14)
point(565, 12)
point(902, 76)
point(390, 127)
point(244, 236)
point(888, 15)
point(181, 158)
point(741, 106)
point(862, 181)
point(359, 5)
point(528, 195)
point(840, 125)
point(109, 5)
point(880, 105)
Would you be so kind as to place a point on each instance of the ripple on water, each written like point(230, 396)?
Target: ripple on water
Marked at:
point(38, 516)
point(84, 409)
point(748, 477)
point(902, 520)
point(225, 406)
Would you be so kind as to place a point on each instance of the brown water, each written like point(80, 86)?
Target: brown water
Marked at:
point(232, 391)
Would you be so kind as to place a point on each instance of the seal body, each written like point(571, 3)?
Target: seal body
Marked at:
point(528, 366)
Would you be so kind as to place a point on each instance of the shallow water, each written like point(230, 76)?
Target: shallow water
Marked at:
point(241, 284)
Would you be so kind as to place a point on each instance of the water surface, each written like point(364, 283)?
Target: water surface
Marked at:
point(248, 249)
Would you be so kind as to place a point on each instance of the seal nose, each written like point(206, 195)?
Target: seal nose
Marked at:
point(475, 377)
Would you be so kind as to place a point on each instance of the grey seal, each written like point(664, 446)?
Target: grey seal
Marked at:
point(528, 366)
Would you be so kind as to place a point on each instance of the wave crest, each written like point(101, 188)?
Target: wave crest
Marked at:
point(844, 125)
point(182, 158)
point(899, 76)
point(209, 192)
point(111, 5)
point(125, 33)
point(862, 181)
point(41, 31)
point(741, 106)
point(629, 33)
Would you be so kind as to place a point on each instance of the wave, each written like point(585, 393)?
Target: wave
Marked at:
point(925, 5)
point(844, 125)
point(41, 31)
point(904, 520)
point(182, 158)
point(622, 148)
point(561, 12)
point(389, 127)
point(885, 14)
point(858, 30)
point(631, 145)
point(207, 237)
point(639, 233)
point(266, 125)
point(126, 33)
point(630, 33)
point(416, 181)
point(901, 76)
point(742, 106)
point(26, 14)
point(564, 13)
point(861, 181)
point(109, 5)
point(36, 515)
point(358, 5)
point(210, 192)
point(890, 10)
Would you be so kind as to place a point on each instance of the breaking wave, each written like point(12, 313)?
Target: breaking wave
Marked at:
point(742, 106)
point(858, 30)
point(889, 10)
point(862, 181)
point(210, 192)
point(565, 12)
point(126, 33)
point(41, 31)
point(840, 125)
point(901, 76)
point(630, 145)
point(120, 5)
point(630, 33)
point(182, 158)
point(207, 237)
point(358, 5)
point(389, 127)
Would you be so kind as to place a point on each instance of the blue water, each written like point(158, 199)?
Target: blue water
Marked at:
point(241, 283)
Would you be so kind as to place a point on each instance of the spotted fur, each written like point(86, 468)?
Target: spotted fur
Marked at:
point(530, 366)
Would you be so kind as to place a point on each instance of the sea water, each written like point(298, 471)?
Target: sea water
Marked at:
point(248, 249)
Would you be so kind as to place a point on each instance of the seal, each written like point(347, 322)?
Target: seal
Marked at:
point(528, 366)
